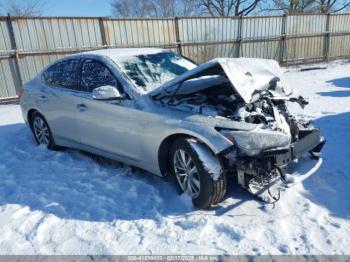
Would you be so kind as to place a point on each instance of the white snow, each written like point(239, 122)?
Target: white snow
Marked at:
point(250, 74)
point(68, 203)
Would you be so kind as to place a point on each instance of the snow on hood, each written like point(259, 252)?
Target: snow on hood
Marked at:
point(250, 74)
point(245, 74)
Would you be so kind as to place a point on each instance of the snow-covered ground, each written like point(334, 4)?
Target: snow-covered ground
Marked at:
point(68, 203)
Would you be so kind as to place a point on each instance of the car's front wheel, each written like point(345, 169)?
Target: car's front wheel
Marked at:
point(42, 132)
point(198, 172)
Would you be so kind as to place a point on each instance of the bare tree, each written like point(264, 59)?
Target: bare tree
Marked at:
point(291, 6)
point(189, 7)
point(152, 8)
point(132, 8)
point(304, 6)
point(169, 8)
point(176, 7)
point(332, 6)
point(22, 7)
point(228, 7)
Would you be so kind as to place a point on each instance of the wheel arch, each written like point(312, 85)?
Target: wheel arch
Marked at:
point(164, 149)
point(30, 114)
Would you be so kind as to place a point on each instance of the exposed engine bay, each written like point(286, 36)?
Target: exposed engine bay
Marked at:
point(267, 108)
point(258, 96)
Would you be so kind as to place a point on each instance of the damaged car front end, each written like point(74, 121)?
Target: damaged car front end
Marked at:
point(247, 91)
point(259, 163)
point(199, 125)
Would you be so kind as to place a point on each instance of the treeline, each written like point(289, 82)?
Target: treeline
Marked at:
point(171, 8)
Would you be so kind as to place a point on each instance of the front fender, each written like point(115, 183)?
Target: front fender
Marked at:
point(152, 144)
point(209, 136)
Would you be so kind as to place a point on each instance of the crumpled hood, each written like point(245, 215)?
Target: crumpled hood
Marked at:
point(245, 74)
point(249, 74)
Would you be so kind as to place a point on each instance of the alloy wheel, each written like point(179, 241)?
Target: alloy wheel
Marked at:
point(186, 173)
point(41, 131)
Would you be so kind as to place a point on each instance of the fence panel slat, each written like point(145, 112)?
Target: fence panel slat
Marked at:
point(290, 39)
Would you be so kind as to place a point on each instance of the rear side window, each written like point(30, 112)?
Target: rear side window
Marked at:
point(63, 74)
point(95, 74)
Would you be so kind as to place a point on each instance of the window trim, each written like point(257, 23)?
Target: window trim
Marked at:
point(82, 61)
point(77, 87)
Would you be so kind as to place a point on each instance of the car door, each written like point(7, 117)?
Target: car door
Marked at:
point(56, 101)
point(110, 126)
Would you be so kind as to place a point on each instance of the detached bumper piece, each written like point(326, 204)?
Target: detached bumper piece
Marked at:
point(265, 176)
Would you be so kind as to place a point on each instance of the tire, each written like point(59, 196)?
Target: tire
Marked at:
point(42, 132)
point(209, 189)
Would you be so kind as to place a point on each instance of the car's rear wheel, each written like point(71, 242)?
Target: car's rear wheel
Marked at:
point(42, 132)
point(193, 176)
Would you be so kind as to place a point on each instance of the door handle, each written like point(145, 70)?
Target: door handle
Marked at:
point(42, 98)
point(82, 107)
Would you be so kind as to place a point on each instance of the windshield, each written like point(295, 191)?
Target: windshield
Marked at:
point(152, 70)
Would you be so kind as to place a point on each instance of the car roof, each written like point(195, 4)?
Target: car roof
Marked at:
point(115, 53)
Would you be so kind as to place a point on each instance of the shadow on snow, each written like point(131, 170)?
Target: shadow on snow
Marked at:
point(339, 82)
point(329, 187)
point(71, 185)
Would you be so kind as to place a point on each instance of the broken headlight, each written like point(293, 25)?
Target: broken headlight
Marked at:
point(251, 143)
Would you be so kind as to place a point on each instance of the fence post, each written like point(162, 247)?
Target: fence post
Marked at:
point(177, 35)
point(15, 69)
point(240, 22)
point(283, 40)
point(103, 32)
point(326, 39)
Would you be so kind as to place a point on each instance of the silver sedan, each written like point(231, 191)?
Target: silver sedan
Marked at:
point(159, 111)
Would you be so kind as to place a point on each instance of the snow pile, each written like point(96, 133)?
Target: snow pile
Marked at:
point(69, 203)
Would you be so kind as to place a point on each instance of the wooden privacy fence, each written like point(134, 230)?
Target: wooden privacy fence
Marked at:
point(27, 44)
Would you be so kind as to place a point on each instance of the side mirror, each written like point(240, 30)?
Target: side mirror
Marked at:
point(106, 93)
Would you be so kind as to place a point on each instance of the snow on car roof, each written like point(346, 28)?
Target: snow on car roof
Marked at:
point(123, 52)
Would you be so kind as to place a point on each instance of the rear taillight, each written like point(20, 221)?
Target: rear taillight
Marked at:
point(20, 91)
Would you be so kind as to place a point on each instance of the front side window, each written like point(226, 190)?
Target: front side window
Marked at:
point(152, 70)
point(95, 74)
point(63, 74)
